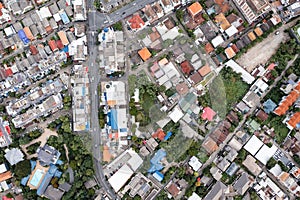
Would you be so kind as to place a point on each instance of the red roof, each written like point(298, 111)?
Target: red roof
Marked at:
point(271, 66)
point(7, 129)
point(52, 45)
point(33, 50)
point(136, 21)
point(186, 67)
point(160, 134)
point(59, 44)
point(8, 72)
point(295, 119)
point(6, 198)
point(208, 114)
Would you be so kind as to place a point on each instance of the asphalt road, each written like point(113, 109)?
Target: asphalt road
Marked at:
point(105, 20)
point(94, 76)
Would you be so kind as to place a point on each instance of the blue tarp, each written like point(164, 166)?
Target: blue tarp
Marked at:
point(155, 161)
point(47, 178)
point(66, 49)
point(169, 134)
point(123, 129)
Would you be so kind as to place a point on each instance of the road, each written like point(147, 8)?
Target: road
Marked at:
point(94, 76)
point(105, 20)
point(245, 117)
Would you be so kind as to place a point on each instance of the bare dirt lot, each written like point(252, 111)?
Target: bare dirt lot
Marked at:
point(262, 52)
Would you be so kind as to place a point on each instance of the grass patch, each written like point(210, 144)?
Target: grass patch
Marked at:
point(281, 131)
point(32, 148)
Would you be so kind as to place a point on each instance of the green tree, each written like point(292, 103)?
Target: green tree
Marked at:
point(118, 26)
point(22, 169)
point(271, 163)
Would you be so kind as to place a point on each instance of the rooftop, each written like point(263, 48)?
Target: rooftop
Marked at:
point(144, 53)
point(195, 8)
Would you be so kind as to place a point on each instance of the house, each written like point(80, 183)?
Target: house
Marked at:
point(251, 36)
point(52, 45)
point(209, 48)
point(5, 176)
point(195, 78)
point(218, 40)
point(258, 31)
point(14, 156)
point(53, 193)
point(221, 20)
point(186, 67)
point(136, 22)
point(182, 88)
point(203, 71)
point(159, 134)
point(173, 189)
point(269, 106)
point(195, 163)
point(62, 36)
point(294, 121)
point(229, 52)
point(194, 9)
point(216, 192)
point(208, 114)
point(209, 145)
point(144, 53)
point(242, 184)
point(262, 115)
point(48, 155)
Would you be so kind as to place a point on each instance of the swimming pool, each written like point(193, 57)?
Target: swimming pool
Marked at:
point(36, 177)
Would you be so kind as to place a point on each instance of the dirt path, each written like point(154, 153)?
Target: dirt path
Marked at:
point(67, 152)
point(43, 139)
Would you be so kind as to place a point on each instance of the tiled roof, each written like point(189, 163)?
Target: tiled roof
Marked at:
point(209, 48)
point(186, 67)
point(295, 119)
point(203, 71)
point(196, 78)
point(221, 19)
point(33, 50)
point(208, 114)
point(159, 134)
point(136, 21)
point(258, 31)
point(195, 8)
point(251, 36)
point(144, 53)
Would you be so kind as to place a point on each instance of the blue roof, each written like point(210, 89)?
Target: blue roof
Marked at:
point(59, 162)
point(25, 180)
point(269, 106)
point(58, 174)
point(48, 176)
point(158, 176)
point(66, 49)
point(33, 164)
point(232, 169)
point(169, 134)
point(155, 161)
point(106, 30)
point(64, 17)
point(23, 37)
point(113, 119)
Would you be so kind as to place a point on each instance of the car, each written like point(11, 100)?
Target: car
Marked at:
point(277, 32)
point(134, 4)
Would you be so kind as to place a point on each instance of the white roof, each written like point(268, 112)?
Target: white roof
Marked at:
point(57, 17)
point(118, 180)
point(176, 114)
point(261, 85)
point(194, 163)
point(231, 31)
point(247, 77)
point(3, 168)
point(4, 185)
point(122, 118)
point(217, 41)
point(265, 153)
point(163, 79)
point(253, 145)
point(13, 156)
point(44, 12)
point(276, 170)
point(135, 161)
point(234, 143)
point(9, 31)
point(194, 197)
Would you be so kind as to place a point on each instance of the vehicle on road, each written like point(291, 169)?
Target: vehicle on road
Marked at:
point(277, 32)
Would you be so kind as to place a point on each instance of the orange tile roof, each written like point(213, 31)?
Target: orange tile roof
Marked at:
point(258, 31)
point(203, 71)
point(221, 19)
point(297, 172)
point(294, 120)
point(4, 176)
point(251, 36)
point(283, 177)
point(28, 33)
point(210, 145)
point(62, 36)
point(144, 53)
point(229, 52)
point(297, 88)
point(136, 21)
point(209, 48)
point(160, 134)
point(195, 8)
point(1, 5)
point(106, 154)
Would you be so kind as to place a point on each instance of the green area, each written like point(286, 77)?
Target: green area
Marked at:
point(25, 139)
point(67, 101)
point(32, 148)
point(80, 158)
point(281, 131)
point(225, 90)
point(22, 169)
point(118, 26)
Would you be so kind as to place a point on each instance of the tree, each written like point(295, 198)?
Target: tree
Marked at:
point(118, 26)
point(271, 163)
point(22, 169)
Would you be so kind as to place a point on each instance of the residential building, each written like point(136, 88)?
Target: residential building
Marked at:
point(80, 13)
point(47, 155)
point(216, 192)
point(14, 156)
